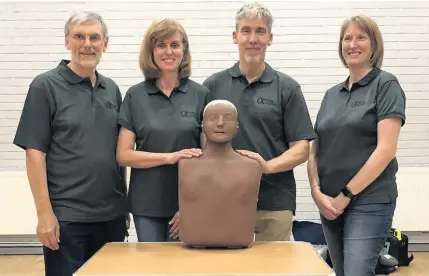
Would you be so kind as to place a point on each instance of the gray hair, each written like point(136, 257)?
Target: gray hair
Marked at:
point(254, 10)
point(82, 18)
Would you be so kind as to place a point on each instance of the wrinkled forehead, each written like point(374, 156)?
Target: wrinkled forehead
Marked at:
point(253, 22)
point(88, 27)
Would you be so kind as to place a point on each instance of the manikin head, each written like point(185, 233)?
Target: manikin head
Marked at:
point(220, 122)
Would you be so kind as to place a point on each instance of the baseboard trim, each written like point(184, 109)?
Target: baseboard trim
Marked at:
point(30, 245)
point(418, 247)
point(21, 250)
point(20, 245)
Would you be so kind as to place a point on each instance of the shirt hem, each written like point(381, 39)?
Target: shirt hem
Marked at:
point(301, 138)
point(126, 125)
point(87, 219)
point(153, 215)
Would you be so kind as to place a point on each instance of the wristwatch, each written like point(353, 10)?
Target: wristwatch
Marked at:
point(347, 193)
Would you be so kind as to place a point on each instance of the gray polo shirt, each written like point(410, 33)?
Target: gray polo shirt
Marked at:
point(75, 125)
point(346, 126)
point(161, 124)
point(272, 113)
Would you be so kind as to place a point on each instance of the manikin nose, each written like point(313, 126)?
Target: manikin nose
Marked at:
point(220, 122)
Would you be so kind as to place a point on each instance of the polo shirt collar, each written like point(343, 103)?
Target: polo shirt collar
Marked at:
point(267, 75)
point(183, 86)
point(362, 82)
point(73, 78)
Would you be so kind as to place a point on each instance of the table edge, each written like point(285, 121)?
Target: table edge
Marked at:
point(173, 242)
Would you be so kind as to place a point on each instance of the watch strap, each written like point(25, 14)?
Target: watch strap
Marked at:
point(347, 193)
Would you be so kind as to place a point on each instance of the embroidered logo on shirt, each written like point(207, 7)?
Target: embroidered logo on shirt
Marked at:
point(261, 100)
point(111, 105)
point(357, 103)
point(187, 114)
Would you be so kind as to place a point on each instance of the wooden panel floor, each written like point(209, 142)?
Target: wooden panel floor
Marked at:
point(23, 265)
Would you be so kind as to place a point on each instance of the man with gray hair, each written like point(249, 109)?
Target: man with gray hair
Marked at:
point(69, 132)
point(275, 125)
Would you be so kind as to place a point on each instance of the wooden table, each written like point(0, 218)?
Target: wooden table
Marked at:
point(261, 259)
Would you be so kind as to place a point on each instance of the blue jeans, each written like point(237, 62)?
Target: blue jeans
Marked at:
point(152, 229)
point(356, 238)
point(78, 242)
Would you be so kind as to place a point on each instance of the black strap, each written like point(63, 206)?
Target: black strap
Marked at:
point(410, 258)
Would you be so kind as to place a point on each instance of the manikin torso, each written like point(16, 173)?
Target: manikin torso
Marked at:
point(218, 195)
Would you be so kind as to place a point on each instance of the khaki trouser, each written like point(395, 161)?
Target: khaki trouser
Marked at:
point(273, 225)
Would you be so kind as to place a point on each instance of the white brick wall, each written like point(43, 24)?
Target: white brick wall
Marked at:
point(304, 46)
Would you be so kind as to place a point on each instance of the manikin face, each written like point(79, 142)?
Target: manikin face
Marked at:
point(220, 123)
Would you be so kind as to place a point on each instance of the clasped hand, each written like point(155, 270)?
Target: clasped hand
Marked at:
point(328, 206)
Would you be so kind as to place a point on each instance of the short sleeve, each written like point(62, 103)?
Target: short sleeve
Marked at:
point(35, 125)
point(125, 118)
point(118, 97)
point(209, 83)
point(316, 123)
point(297, 122)
point(391, 101)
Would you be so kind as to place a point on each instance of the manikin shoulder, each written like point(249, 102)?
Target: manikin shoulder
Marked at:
point(236, 160)
point(248, 162)
point(189, 162)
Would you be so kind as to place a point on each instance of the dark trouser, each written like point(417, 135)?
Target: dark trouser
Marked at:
point(356, 238)
point(150, 229)
point(78, 242)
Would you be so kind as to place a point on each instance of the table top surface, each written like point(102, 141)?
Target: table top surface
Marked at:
point(173, 258)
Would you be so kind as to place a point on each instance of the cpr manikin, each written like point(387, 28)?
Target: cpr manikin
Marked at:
point(218, 191)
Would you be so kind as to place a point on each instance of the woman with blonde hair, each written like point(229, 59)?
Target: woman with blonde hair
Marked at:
point(160, 122)
point(352, 164)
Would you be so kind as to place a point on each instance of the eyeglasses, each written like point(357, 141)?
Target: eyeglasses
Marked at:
point(93, 38)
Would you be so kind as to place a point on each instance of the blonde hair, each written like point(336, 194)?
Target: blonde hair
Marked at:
point(370, 27)
point(160, 30)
